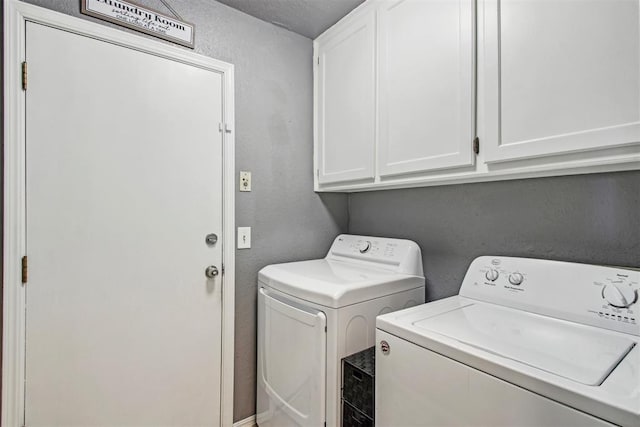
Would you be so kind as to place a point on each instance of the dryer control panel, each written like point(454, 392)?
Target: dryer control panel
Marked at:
point(595, 295)
point(398, 255)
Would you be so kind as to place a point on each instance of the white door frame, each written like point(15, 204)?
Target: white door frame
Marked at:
point(16, 14)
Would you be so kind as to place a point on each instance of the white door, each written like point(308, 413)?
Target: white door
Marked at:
point(346, 103)
point(426, 119)
point(559, 76)
point(124, 180)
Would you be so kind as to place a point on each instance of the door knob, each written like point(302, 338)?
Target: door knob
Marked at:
point(211, 271)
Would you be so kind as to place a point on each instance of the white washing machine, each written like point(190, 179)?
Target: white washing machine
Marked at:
point(526, 342)
point(311, 314)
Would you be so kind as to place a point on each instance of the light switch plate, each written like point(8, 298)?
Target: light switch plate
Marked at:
point(244, 237)
point(245, 181)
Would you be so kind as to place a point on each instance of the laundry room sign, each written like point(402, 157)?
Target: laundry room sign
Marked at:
point(136, 17)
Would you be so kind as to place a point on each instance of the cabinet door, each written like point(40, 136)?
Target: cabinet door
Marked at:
point(346, 102)
point(560, 76)
point(426, 85)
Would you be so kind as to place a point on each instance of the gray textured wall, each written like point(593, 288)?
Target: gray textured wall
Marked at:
point(589, 218)
point(586, 218)
point(274, 140)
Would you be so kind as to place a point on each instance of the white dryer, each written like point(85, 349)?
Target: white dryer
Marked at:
point(527, 342)
point(311, 314)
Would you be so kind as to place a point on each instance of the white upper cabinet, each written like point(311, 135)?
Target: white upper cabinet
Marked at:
point(404, 87)
point(345, 107)
point(426, 85)
point(560, 76)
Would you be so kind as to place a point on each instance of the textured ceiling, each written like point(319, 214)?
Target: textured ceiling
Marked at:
point(307, 17)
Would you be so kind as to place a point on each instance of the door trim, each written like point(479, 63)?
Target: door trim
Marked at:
point(16, 14)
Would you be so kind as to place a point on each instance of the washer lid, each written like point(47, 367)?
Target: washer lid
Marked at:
point(579, 353)
point(334, 283)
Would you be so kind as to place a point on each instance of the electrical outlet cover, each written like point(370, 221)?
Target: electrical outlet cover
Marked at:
point(245, 181)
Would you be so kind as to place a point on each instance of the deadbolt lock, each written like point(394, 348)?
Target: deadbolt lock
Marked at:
point(211, 239)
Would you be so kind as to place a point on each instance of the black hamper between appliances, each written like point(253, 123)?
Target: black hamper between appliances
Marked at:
point(358, 388)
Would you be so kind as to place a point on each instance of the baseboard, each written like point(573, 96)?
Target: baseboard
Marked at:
point(247, 422)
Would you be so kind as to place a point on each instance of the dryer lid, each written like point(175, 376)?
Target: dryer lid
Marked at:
point(334, 283)
point(580, 353)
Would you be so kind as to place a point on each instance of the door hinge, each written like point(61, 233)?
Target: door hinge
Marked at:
point(24, 75)
point(318, 173)
point(222, 268)
point(476, 145)
point(318, 60)
point(25, 269)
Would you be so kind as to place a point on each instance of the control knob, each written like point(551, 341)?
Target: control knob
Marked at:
point(516, 278)
point(492, 275)
point(364, 247)
point(619, 296)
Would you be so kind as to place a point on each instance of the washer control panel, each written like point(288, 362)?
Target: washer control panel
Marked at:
point(589, 294)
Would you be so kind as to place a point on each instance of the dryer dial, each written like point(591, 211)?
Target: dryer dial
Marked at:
point(364, 247)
